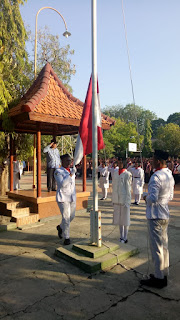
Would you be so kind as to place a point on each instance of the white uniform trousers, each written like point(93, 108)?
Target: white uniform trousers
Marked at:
point(15, 180)
point(67, 210)
point(104, 192)
point(137, 197)
point(159, 246)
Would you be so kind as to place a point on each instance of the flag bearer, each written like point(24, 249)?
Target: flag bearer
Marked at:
point(66, 196)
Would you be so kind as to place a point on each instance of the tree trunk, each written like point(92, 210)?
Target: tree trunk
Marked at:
point(4, 175)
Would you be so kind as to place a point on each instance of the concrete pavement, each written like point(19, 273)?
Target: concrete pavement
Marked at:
point(35, 284)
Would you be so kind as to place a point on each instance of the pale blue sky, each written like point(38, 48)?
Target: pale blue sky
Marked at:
point(153, 30)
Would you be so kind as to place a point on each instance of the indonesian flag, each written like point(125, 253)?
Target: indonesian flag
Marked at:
point(84, 139)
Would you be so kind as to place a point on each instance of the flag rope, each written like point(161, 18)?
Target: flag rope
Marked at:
point(130, 73)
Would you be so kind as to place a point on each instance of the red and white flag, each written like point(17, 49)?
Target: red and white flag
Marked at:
point(84, 139)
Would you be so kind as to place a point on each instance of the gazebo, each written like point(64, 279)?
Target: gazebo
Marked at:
point(47, 108)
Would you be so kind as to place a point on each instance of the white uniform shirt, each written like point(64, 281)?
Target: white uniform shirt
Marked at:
point(138, 179)
point(53, 159)
point(160, 192)
point(66, 191)
point(112, 170)
point(122, 188)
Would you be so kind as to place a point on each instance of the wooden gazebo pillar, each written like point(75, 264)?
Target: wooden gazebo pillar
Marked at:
point(11, 162)
point(38, 163)
point(34, 163)
point(84, 173)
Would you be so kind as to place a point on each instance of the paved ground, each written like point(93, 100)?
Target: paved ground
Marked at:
point(35, 284)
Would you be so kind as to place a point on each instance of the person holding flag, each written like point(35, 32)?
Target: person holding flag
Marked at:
point(66, 196)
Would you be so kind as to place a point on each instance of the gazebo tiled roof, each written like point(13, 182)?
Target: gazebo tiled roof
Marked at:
point(50, 107)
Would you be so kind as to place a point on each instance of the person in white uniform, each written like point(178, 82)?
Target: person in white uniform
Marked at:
point(121, 199)
point(66, 196)
point(160, 192)
point(104, 179)
point(112, 168)
point(16, 174)
point(138, 181)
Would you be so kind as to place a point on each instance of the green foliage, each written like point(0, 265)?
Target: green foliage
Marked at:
point(168, 139)
point(117, 138)
point(3, 146)
point(24, 145)
point(14, 66)
point(131, 113)
point(174, 118)
point(147, 148)
point(155, 124)
point(59, 57)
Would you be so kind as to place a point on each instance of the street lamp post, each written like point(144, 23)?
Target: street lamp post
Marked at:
point(65, 34)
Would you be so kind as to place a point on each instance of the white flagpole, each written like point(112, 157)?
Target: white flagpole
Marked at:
point(95, 235)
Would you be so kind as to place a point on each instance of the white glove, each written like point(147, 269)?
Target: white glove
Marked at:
point(73, 170)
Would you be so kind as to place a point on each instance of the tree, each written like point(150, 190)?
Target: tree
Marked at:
point(15, 69)
point(168, 139)
point(147, 148)
point(155, 124)
point(174, 118)
point(118, 137)
point(131, 113)
point(14, 65)
point(59, 57)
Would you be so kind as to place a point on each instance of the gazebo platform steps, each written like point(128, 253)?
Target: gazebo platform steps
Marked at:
point(15, 212)
point(24, 207)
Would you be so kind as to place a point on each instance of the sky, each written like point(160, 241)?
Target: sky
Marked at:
point(153, 33)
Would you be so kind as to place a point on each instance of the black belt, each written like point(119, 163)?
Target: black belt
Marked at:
point(137, 177)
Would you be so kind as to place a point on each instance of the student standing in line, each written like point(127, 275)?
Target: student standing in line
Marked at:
point(121, 199)
point(160, 192)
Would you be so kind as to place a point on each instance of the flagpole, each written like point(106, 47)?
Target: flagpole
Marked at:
point(95, 236)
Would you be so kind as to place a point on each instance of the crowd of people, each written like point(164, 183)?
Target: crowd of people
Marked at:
point(147, 165)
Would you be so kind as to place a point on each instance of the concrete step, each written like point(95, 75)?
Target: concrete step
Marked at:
point(88, 262)
point(24, 220)
point(12, 205)
point(4, 220)
point(20, 212)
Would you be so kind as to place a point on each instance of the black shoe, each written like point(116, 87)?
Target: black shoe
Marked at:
point(67, 242)
point(54, 190)
point(59, 231)
point(154, 282)
point(102, 198)
point(126, 241)
point(152, 276)
point(134, 202)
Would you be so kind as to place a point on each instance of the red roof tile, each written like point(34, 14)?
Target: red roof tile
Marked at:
point(48, 97)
